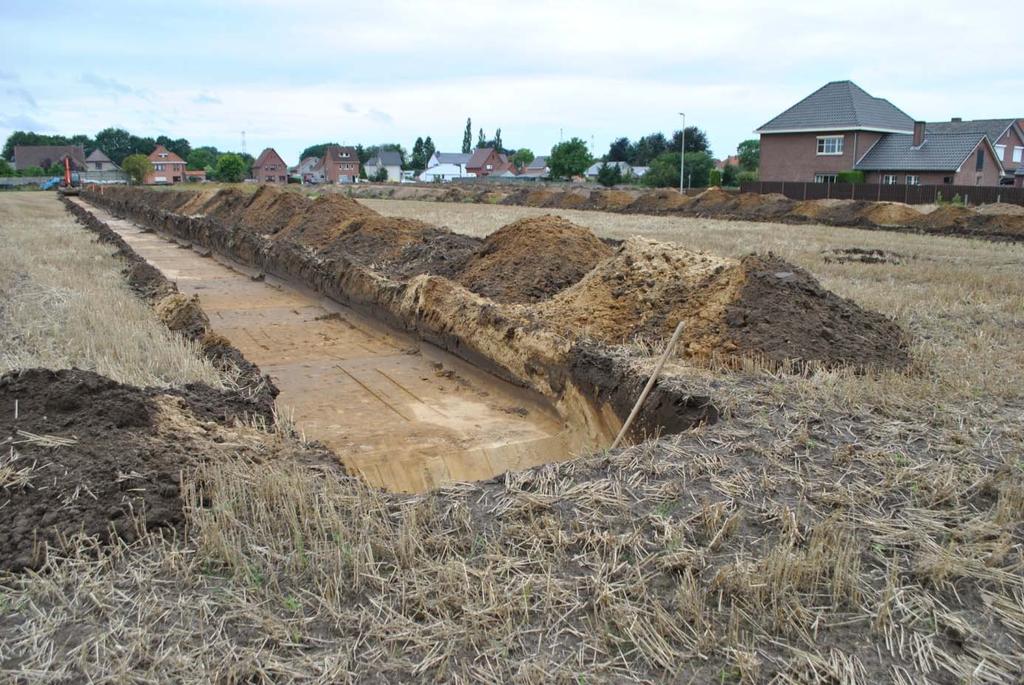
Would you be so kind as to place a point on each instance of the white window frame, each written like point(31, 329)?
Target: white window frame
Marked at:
point(826, 178)
point(1018, 154)
point(1000, 152)
point(158, 167)
point(913, 180)
point(889, 179)
point(837, 145)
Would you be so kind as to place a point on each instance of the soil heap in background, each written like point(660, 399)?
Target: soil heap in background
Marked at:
point(611, 200)
point(892, 214)
point(758, 307)
point(270, 210)
point(712, 200)
point(659, 201)
point(532, 259)
point(322, 220)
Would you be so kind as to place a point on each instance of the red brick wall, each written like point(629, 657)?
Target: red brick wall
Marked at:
point(493, 159)
point(170, 172)
point(794, 156)
point(1010, 139)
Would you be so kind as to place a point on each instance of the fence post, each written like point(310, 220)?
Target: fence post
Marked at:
point(805, 190)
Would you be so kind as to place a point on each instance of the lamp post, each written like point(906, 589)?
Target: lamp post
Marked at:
point(682, 153)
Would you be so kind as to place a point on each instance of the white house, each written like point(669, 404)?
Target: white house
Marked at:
point(308, 170)
point(444, 173)
point(624, 168)
point(456, 158)
point(389, 160)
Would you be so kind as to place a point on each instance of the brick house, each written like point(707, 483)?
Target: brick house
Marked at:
point(307, 169)
point(840, 127)
point(168, 168)
point(1018, 177)
point(1006, 135)
point(340, 164)
point(45, 156)
point(826, 133)
point(269, 167)
point(927, 158)
point(486, 160)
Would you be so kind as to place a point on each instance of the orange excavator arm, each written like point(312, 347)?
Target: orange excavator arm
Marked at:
point(67, 172)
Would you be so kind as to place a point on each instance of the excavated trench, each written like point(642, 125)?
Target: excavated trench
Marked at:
point(424, 356)
point(402, 413)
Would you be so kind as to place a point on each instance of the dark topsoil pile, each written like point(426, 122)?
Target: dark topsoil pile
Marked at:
point(124, 461)
point(532, 259)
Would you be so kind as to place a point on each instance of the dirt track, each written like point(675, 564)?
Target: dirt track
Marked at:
point(404, 414)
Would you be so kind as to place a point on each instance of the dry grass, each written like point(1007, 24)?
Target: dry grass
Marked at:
point(834, 528)
point(64, 303)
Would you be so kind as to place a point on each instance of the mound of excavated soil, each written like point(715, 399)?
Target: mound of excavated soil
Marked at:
point(271, 209)
point(532, 259)
point(323, 220)
point(760, 307)
point(713, 199)
point(946, 217)
point(89, 455)
point(659, 201)
point(1001, 208)
point(611, 200)
point(891, 214)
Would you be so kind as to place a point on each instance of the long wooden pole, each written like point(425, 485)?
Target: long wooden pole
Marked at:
point(650, 384)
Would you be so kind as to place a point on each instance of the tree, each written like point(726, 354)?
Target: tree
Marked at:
point(714, 178)
point(231, 168)
point(647, 148)
point(117, 143)
point(664, 170)
point(418, 161)
point(696, 140)
point(619, 150)
point(467, 137)
point(481, 139)
point(749, 152)
point(428, 150)
point(32, 171)
point(137, 167)
point(55, 169)
point(522, 158)
point(381, 176)
point(202, 157)
point(729, 175)
point(178, 146)
point(569, 158)
point(315, 150)
point(6, 169)
point(30, 138)
point(497, 141)
point(609, 175)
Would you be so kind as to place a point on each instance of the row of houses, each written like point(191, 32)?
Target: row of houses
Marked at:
point(841, 128)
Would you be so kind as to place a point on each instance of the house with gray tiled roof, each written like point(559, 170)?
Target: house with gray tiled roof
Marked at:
point(840, 127)
point(1006, 135)
point(928, 158)
point(826, 133)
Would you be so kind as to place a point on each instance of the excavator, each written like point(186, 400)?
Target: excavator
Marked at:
point(71, 184)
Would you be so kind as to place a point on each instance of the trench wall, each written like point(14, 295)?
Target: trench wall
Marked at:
point(592, 388)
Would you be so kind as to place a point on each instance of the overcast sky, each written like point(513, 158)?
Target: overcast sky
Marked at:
point(292, 73)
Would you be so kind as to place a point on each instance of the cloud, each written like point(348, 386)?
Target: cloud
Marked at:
point(22, 122)
point(110, 85)
point(380, 117)
point(206, 99)
point(24, 96)
point(8, 76)
point(349, 107)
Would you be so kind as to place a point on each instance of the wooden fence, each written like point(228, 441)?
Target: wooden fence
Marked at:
point(912, 195)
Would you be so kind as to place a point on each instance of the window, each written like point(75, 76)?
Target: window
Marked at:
point(163, 155)
point(947, 179)
point(979, 164)
point(1000, 152)
point(98, 165)
point(913, 180)
point(889, 180)
point(1018, 153)
point(830, 145)
point(824, 178)
point(158, 167)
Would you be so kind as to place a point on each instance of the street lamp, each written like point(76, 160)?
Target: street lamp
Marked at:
point(682, 153)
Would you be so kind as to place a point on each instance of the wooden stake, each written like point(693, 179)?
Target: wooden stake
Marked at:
point(650, 384)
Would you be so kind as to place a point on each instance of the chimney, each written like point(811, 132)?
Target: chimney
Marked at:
point(918, 133)
point(956, 120)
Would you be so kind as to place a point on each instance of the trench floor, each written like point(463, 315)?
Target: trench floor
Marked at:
point(402, 413)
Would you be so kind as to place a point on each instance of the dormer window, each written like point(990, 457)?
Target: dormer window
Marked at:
point(163, 154)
